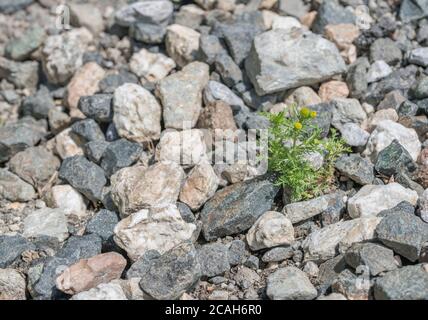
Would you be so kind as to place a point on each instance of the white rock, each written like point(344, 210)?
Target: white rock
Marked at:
point(372, 199)
point(182, 44)
point(46, 222)
point(287, 23)
point(300, 211)
point(378, 70)
point(12, 285)
point(323, 244)
point(270, 230)
point(104, 291)
point(354, 135)
point(385, 132)
point(137, 114)
point(68, 199)
point(383, 114)
point(423, 203)
point(151, 66)
point(345, 111)
point(185, 147)
point(157, 228)
point(201, 184)
point(137, 187)
point(311, 269)
point(68, 144)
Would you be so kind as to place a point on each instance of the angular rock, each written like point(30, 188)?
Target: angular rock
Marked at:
point(97, 107)
point(104, 291)
point(378, 70)
point(94, 150)
point(12, 188)
point(331, 12)
point(349, 285)
point(22, 47)
point(333, 89)
point(354, 135)
point(278, 254)
point(68, 144)
point(102, 224)
point(356, 168)
point(12, 285)
point(385, 49)
point(86, 15)
point(182, 44)
point(151, 66)
point(394, 159)
point(213, 258)
point(11, 248)
point(120, 154)
point(46, 222)
point(38, 105)
point(21, 74)
point(346, 111)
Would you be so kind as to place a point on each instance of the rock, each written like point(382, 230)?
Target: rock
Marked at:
point(419, 56)
point(385, 49)
point(290, 283)
point(201, 184)
point(21, 74)
point(186, 147)
point(349, 285)
point(236, 252)
point(190, 15)
point(185, 212)
point(342, 34)
point(356, 168)
point(65, 197)
point(228, 70)
point(356, 77)
point(104, 291)
point(295, 8)
point(68, 144)
point(354, 135)
point(311, 269)
point(88, 273)
point(252, 262)
point(403, 232)
point(38, 105)
point(137, 187)
point(182, 44)
point(217, 115)
point(245, 277)
point(392, 100)
point(270, 230)
point(97, 107)
point(12, 285)
point(375, 257)
point(86, 15)
point(423, 204)
point(378, 70)
point(303, 96)
point(323, 244)
point(378, 116)
point(11, 248)
point(413, 10)
point(271, 68)
point(236, 208)
point(21, 48)
point(46, 222)
point(86, 177)
point(331, 12)
point(278, 254)
point(157, 228)
point(102, 224)
point(88, 130)
point(217, 91)
point(94, 150)
point(12, 188)
point(386, 131)
point(113, 81)
point(286, 23)
point(346, 111)
point(407, 283)
point(142, 265)
point(83, 83)
point(182, 111)
point(151, 66)
point(333, 89)
point(209, 48)
point(120, 154)
point(213, 259)
point(394, 159)
point(58, 120)
point(62, 54)
point(173, 273)
point(329, 271)
point(372, 199)
point(8, 7)
point(137, 113)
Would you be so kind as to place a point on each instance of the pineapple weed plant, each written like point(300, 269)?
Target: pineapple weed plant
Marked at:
point(292, 137)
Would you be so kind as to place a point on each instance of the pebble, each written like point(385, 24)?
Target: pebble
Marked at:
point(354, 135)
point(102, 224)
point(213, 258)
point(278, 254)
point(95, 149)
point(65, 197)
point(46, 222)
point(19, 49)
point(97, 107)
point(236, 252)
point(68, 144)
point(419, 56)
point(88, 130)
point(394, 159)
point(11, 248)
point(120, 154)
point(378, 70)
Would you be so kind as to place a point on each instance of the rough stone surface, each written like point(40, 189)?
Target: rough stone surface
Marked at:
point(46, 222)
point(12, 285)
point(12, 188)
point(213, 259)
point(151, 66)
point(356, 168)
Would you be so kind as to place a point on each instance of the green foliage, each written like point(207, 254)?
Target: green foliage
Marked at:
point(292, 137)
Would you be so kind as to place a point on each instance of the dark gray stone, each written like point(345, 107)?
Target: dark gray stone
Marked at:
point(120, 154)
point(38, 105)
point(228, 70)
point(21, 74)
point(88, 129)
point(213, 258)
point(94, 150)
point(185, 212)
point(408, 108)
point(97, 107)
point(12, 188)
point(236, 252)
point(113, 81)
point(102, 224)
point(331, 12)
point(329, 271)
point(11, 248)
point(356, 78)
point(252, 262)
point(356, 168)
point(209, 48)
point(394, 159)
point(278, 254)
point(143, 264)
point(385, 49)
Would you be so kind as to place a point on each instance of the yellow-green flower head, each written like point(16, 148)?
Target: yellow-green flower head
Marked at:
point(305, 112)
point(298, 126)
point(313, 114)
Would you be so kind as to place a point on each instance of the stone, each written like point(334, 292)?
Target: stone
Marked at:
point(186, 147)
point(97, 107)
point(375, 257)
point(423, 205)
point(378, 70)
point(413, 10)
point(12, 188)
point(350, 286)
point(419, 56)
point(286, 23)
point(201, 184)
point(270, 230)
point(137, 187)
point(236, 208)
point(120, 154)
point(66, 198)
point(346, 111)
point(21, 48)
point(62, 54)
point(356, 168)
point(245, 277)
point(290, 283)
point(38, 105)
point(403, 232)
point(185, 212)
point(88, 130)
point(151, 66)
point(113, 81)
point(354, 135)
point(324, 244)
point(102, 224)
point(272, 67)
point(252, 262)
point(217, 115)
point(215, 91)
point(21, 74)
point(333, 89)
point(182, 111)
point(342, 34)
point(378, 116)
point(9, 7)
point(372, 199)
point(295, 8)
point(190, 15)
point(387, 131)
point(104, 291)
point(385, 49)
point(86, 177)
point(332, 13)
point(228, 70)
point(68, 144)
point(12, 285)
point(394, 159)
point(356, 77)
point(46, 222)
point(182, 44)
point(311, 269)
point(209, 48)
point(329, 271)
point(11, 248)
point(303, 96)
point(236, 252)
point(88, 16)
point(88, 273)
point(392, 100)
point(278, 254)
point(158, 228)
point(213, 258)
point(406, 283)
point(176, 271)
point(94, 150)
point(83, 83)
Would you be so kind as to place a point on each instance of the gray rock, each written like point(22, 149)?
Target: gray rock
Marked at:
point(173, 273)
point(112, 81)
point(280, 60)
point(209, 48)
point(217, 91)
point(213, 258)
point(97, 107)
point(348, 284)
point(12, 188)
point(331, 12)
point(46, 222)
point(246, 277)
point(86, 177)
point(290, 283)
point(38, 105)
point(235, 208)
point(356, 78)
point(252, 262)
point(88, 129)
point(94, 150)
point(323, 118)
point(420, 89)
point(228, 70)
point(21, 48)
point(295, 8)
point(408, 108)
point(21, 74)
point(394, 159)
point(11, 6)
point(354, 135)
point(356, 168)
point(419, 56)
point(11, 248)
point(413, 10)
point(403, 232)
point(278, 254)
point(385, 49)
point(236, 252)
point(375, 257)
point(329, 271)
point(143, 264)
point(186, 213)
point(120, 154)
point(102, 224)
point(407, 283)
